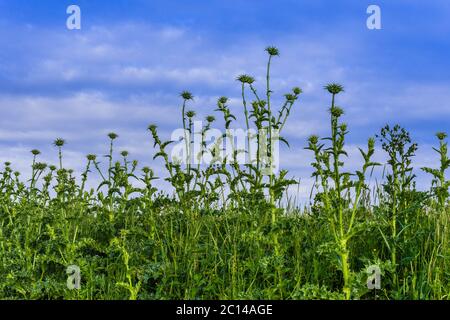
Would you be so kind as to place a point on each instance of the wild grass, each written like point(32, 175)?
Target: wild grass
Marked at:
point(222, 233)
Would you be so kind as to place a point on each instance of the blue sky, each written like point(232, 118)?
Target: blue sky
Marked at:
point(125, 68)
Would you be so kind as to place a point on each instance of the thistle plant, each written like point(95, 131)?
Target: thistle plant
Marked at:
point(187, 96)
point(59, 143)
point(396, 142)
point(112, 136)
point(246, 79)
point(35, 153)
point(91, 159)
point(272, 51)
point(340, 213)
point(439, 184)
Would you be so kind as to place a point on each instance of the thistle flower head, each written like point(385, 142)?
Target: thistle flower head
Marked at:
point(40, 166)
point(113, 135)
point(245, 79)
point(336, 112)
point(441, 135)
point(186, 95)
point(313, 139)
point(272, 51)
point(222, 100)
point(190, 114)
point(7, 164)
point(297, 91)
point(152, 127)
point(59, 142)
point(52, 167)
point(146, 170)
point(334, 88)
point(91, 157)
point(124, 153)
point(290, 97)
point(35, 152)
point(210, 119)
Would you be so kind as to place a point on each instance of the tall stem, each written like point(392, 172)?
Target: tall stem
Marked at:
point(244, 102)
point(60, 157)
point(268, 92)
point(186, 142)
point(110, 160)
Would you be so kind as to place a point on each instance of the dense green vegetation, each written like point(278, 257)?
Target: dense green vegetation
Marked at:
point(224, 233)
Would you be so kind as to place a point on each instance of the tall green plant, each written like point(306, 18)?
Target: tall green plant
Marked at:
point(340, 211)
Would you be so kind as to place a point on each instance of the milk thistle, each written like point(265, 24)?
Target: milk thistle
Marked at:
point(59, 143)
point(246, 79)
point(187, 96)
point(440, 184)
point(112, 136)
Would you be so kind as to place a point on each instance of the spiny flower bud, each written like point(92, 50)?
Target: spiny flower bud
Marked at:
point(40, 166)
point(59, 142)
point(146, 170)
point(334, 88)
point(35, 152)
point(290, 97)
point(222, 100)
point(190, 114)
point(245, 79)
point(313, 139)
point(297, 90)
point(124, 153)
point(186, 95)
point(210, 119)
point(272, 51)
point(441, 135)
point(336, 112)
point(91, 157)
point(113, 135)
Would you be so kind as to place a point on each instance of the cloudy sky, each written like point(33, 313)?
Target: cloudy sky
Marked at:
point(127, 65)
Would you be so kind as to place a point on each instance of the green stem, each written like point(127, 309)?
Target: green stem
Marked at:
point(244, 102)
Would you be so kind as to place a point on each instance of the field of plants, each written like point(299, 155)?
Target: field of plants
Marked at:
point(226, 230)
